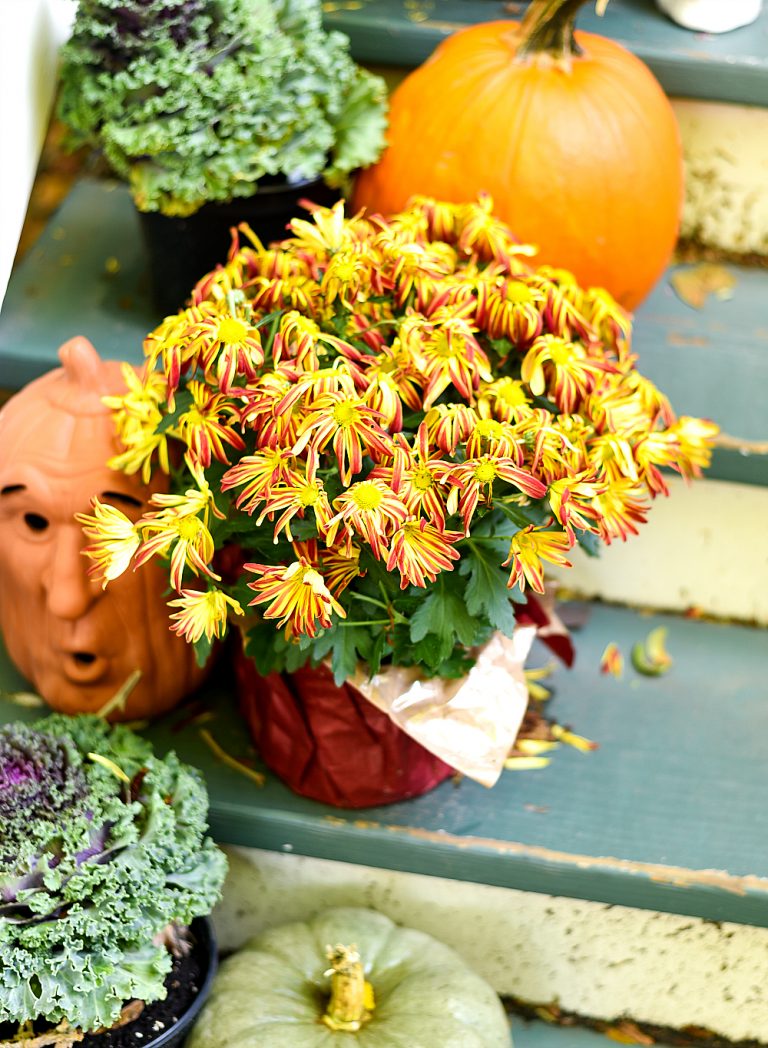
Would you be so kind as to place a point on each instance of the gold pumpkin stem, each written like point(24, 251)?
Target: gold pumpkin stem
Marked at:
point(548, 28)
point(347, 1007)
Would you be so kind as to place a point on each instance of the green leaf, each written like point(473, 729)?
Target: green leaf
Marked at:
point(345, 651)
point(486, 591)
point(295, 657)
point(590, 542)
point(444, 616)
point(203, 650)
point(183, 403)
point(376, 653)
point(266, 646)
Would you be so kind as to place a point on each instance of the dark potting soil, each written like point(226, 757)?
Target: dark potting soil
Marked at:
point(182, 984)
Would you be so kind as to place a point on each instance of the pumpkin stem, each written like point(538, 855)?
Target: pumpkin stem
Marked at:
point(548, 28)
point(351, 1000)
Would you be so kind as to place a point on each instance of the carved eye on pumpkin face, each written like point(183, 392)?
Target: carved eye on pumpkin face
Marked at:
point(33, 523)
point(36, 522)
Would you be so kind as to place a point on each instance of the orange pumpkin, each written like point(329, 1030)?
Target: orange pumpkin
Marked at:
point(570, 134)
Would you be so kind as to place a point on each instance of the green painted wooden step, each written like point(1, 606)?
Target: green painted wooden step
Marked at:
point(730, 67)
point(542, 1035)
point(667, 815)
point(87, 275)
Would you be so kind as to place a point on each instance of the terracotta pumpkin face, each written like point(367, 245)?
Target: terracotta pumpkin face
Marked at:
point(74, 641)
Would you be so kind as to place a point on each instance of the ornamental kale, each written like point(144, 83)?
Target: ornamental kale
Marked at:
point(102, 846)
point(197, 100)
point(40, 778)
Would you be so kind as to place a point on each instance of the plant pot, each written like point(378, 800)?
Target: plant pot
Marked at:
point(182, 250)
point(329, 743)
point(205, 957)
point(201, 966)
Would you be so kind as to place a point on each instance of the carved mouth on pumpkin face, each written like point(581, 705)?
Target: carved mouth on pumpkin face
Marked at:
point(84, 667)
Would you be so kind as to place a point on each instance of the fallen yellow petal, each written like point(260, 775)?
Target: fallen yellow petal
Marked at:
point(628, 1033)
point(538, 692)
point(27, 699)
point(541, 672)
point(525, 763)
point(612, 661)
point(228, 759)
point(572, 739)
point(548, 1013)
point(533, 747)
point(105, 762)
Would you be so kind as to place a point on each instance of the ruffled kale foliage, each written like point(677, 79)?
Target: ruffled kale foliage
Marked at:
point(102, 844)
point(197, 100)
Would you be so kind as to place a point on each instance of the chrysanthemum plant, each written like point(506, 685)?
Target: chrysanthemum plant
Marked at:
point(377, 433)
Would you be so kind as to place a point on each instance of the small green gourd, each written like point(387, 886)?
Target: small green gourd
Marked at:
point(388, 987)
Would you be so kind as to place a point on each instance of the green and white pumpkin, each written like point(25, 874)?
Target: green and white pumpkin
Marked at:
point(296, 986)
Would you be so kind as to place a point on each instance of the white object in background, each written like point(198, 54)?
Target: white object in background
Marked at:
point(33, 30)
point(711, 16)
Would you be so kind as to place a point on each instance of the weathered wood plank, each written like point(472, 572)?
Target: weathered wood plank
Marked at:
point(732, 67)
point(666, 815)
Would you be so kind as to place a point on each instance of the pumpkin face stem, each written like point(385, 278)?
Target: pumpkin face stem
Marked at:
point(351, 1000)
point(548, 29)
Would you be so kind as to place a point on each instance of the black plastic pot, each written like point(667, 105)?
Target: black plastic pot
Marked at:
point(206, 956)
point(182, 250)
point(205, 946)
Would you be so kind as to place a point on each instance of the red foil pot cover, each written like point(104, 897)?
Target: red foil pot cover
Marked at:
point(330, 743)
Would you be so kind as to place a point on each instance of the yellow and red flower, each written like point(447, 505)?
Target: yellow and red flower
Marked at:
point(560, 369)
point(449, 425)
point(349, 425)
point(328, 231)
point(612, 661)
point(183, 537)
point(420, 551)
point(202, 613)
point(475, 477)
point(114, 540)
point(296, 594)
point(483, 234)
point(172, 346)
point(572, 502)
point(528, 548)
point(259, 474)
point(349, 276)
point(293, 498)
point(620, 508)
point(498, 439)
point(226, 346)
point(416, 477)
point(138, 414)
point(207, 425)
point(506, 399)
point(301, 339)
point(340, 567)
point(510, 307)
point(447, 353)
point(370, 509)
